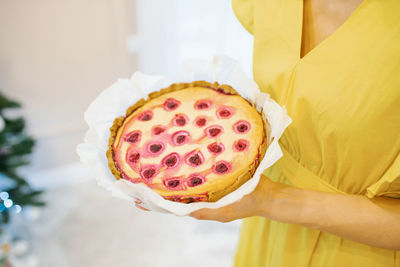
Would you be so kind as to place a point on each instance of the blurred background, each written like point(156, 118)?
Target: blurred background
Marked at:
point(55, 58)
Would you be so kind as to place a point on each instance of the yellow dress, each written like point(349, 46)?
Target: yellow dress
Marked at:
point(344, 99)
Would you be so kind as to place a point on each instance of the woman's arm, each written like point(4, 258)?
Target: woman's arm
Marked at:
point(375, 222)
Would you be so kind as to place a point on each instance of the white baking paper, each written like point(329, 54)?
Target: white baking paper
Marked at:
point(115, 100)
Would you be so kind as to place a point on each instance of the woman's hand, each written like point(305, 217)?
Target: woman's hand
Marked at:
point(373, 222)
point(254, 204)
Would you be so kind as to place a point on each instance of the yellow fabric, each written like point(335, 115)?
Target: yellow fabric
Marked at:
point(344, 99)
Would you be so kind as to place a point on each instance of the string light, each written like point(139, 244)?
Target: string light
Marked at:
point(8, 203)
point(4, 195)
point(17, 208)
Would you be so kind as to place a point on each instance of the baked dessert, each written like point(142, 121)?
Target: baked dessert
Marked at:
point(189, 142)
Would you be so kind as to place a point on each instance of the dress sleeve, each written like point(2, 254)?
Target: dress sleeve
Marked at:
point(244, 12)
point(389, 184)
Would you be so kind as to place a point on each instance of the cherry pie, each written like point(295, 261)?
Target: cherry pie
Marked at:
point(189, 142)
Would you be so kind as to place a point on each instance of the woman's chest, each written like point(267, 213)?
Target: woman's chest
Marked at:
point(343, 96)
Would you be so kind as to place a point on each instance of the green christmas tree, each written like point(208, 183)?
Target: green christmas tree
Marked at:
point(15, 146)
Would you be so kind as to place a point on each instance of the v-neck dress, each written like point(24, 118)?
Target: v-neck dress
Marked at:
point(344, 99)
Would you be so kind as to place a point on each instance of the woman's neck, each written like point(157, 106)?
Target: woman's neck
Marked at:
point(322, 18)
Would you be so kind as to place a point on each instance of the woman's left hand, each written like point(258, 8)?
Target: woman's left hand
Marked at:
point(253, 204)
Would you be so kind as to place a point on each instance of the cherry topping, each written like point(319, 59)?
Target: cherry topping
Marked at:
point(222, 91)
point(240, 145)
point(171, 104)
point(133, 137)
point(158, 129)
point(145, 115)
point(180, 120)
point(173, 183)
point(171, 160)
point(148, 172)
point(200, 121)
point(180, 138)
point(241, 127)
point(194, 158)
point(225, 112)
point(202, 104)
point(221, 167)
point(213, 131)
point(134, 157)
point(215, 148)
point(195, 180)
point(155, 148)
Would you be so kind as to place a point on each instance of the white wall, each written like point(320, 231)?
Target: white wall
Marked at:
point(172, 31)
point(55, 57)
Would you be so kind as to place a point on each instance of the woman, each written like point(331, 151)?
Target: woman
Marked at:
point(334, 197)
